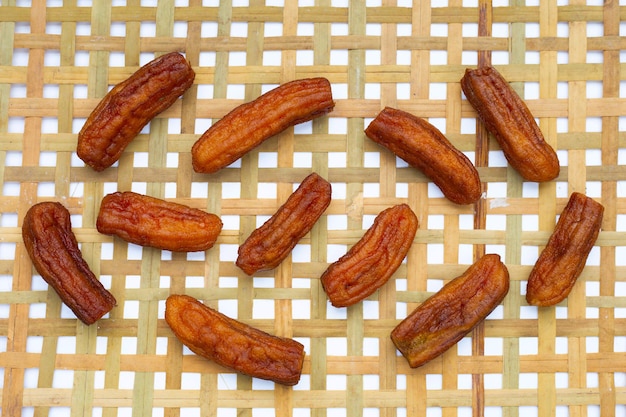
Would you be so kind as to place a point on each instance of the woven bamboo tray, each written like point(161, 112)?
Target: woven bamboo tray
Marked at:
point(58, 58)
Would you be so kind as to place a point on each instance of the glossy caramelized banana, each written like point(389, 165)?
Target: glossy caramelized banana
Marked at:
point(508, 119)
point(234, 344)
point(270, 244)
point(249, 124)
point(563, 259)
point(150, 221)
point(129, 106)
point(424, 147)
point(369, 264)
point(447, 316)
point(52, 246)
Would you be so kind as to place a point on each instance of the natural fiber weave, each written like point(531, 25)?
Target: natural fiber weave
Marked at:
point(58, 58)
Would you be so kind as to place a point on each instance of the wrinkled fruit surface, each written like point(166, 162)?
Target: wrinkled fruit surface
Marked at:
point(249, 124)
point(508, 119)
point(563, 259)
point(270, 244)
point(53, 249)
point(369, 264)
point(129, 106)
point(424, 147)
point(234, 344)
point(447, 316)
point(149, 221)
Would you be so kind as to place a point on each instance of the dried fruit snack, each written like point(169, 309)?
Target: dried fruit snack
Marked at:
point(53, 249)
point(129, 106)
point(451, 313)
point(562, 260)
point(369, 264)
point(424, 147)
point(509, 120)
point(270, 244)
point(150, 221)
point(234, 344)
point(249, 124)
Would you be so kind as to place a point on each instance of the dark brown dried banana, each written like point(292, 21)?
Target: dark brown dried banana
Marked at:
point(129, 106)
point(52, 246)
point(447, 316)
point(150, 221)
point(270, 244)
point(369, 264)
point(424, 147)
point(563, 259)
point(508, 119)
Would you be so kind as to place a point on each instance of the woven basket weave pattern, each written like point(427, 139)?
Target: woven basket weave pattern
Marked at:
point(59, 58)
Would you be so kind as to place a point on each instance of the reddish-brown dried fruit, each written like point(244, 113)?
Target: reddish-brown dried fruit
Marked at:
point(447, 316)
point(149, 221)
point(249, 124)
point(234, 344)
point(508, 119)
point(369, 264)
point(129, 106)
point(564, 257)
point(52, 246)
point(270, 244)
point(424, 147)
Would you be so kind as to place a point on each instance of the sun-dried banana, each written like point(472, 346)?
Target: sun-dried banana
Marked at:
point(508, 119)
point(234, 344)
point(129, 106)
point(52, 246)
point(424, 147)
point(150, 221)
point(450, 314)
point(562, 260)
point(369, 264)
point(249, 124)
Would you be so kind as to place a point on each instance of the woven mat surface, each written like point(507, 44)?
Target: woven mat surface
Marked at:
point(58, 58)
